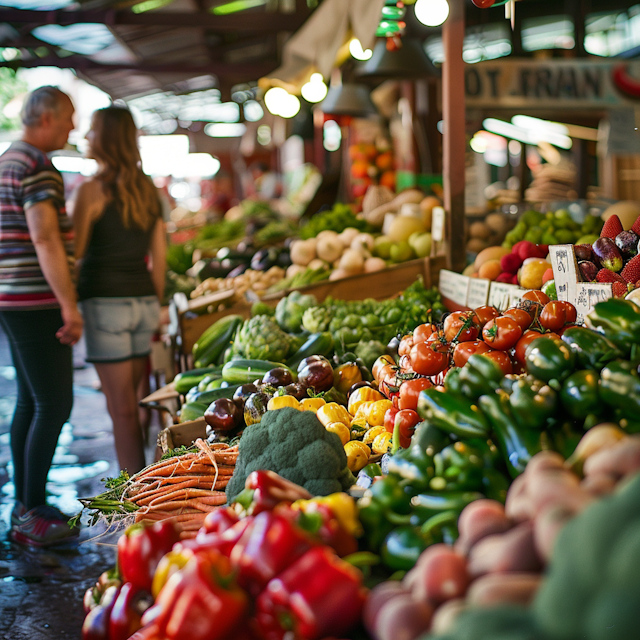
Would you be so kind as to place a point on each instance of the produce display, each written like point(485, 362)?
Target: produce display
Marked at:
point(371, 164)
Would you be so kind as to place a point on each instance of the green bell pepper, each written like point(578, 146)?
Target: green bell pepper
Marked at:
point(479, 376)
point(495, 485)
point(452, 413)
point(532, 402)
point(592, 349)
point(620, 387)
point(452, 383)
point(565, 438)
point(461, 465)
point(579, 394)
point(549, 359)
point(374, 522)
point(430, 503)
point(619, 320)
point(391, 495)
point(518, 445)
point(631, 424)
point(402, 548)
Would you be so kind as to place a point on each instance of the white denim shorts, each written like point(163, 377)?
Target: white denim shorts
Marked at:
point(118, 329)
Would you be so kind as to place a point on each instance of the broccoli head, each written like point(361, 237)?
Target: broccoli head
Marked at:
point(291, 308)
point(295, 445)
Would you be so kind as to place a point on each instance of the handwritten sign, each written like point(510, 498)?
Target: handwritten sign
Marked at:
point(588, 295)
point(565, 271)
point(454, 286)
point(437, 224)
point(478, 293)
point(503, 295)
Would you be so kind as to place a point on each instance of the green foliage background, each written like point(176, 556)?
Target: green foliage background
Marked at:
point(10, 87)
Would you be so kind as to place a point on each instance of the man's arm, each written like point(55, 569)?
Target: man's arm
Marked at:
point(42, 220)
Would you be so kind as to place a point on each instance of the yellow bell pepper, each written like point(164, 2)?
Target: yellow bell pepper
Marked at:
point(359, 427)
point(375, 412)
point(333, 412)
point(169, 564)
point(345, 376)
point(341, 430)
point(357, 455)
point(382, 443)
point(363, 408)
point(371, 435)
point(279, 402)
point(363, 394)
point(311, 404)
point(343, 507)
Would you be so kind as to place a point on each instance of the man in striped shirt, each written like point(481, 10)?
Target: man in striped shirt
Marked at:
point(38, 308)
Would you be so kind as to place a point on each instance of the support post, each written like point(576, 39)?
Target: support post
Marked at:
point(453, 108)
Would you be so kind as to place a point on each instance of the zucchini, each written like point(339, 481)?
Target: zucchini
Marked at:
point(244, 371)
point(184, 381)
point(215, 340)
point(202, 385)
point(207, 397)
point(317, 344)
point(192, 411)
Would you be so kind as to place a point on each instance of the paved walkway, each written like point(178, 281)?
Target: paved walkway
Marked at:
point(41, 590)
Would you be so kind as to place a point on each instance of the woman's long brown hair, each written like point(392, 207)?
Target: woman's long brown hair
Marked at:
point(115, 147)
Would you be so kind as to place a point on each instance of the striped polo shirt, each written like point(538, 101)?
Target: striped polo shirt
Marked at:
point(26, 178)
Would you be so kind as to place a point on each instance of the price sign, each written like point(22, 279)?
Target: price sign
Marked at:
point(565, 271)
point(437, 224)
point(503, 295)
point(478, 293)
point(588, 295)
point(454, 286)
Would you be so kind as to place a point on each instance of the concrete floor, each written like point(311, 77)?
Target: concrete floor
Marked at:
point(41, 590)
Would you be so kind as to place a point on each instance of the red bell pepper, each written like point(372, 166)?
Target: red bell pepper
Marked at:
point(319, 595)
point(268, 546)
point(202, 601)
point(263, 490)
point(127, 612)
point(219, 520)
point(96, 623)
point(93, 595)
point(141, 548)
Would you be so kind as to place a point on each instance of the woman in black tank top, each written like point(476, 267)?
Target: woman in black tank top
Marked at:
point(120, 249)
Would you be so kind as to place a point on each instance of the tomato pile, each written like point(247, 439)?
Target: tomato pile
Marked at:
point(427, 354)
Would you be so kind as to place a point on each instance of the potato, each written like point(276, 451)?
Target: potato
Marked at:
point(378, 597)
point(510, 551)
point(478, 520)
point(403, 618)
point(446, 615)
point(440, 574)
point(599, 484)
point(504, 588)
point(619, 460)
point(518, 506)
point(557, 487)
point(544, 460)
point(547, 525)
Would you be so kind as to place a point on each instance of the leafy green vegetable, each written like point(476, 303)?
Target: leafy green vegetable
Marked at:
point(291, 308)
point(336, 219)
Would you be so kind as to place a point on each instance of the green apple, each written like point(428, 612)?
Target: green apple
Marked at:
point(401, 251)
point(382, 247)
point(421, 244)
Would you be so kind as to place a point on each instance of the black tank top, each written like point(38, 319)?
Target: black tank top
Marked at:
point(114, 264)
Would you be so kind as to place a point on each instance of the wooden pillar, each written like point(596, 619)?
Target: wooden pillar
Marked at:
point(454, 143)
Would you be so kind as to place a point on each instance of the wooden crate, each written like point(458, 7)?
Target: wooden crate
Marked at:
point(183, 434)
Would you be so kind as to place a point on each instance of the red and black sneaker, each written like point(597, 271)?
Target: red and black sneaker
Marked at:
point(17, 512)
point(43, 526)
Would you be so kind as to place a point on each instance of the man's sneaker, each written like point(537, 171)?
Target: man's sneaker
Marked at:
point(17, 512)
point(43, 526)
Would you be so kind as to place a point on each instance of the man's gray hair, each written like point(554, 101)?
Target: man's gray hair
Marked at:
point(40, 101)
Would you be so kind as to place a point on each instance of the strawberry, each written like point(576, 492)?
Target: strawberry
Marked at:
point(619, 290)
point(606, 275)
point(636, 226)
point(631, 273)
point(612, 227)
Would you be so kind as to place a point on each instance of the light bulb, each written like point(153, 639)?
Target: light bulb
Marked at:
point(356, 50)
point(274, 99)
point(432, 13)
point(290, 107)
point(315, 90)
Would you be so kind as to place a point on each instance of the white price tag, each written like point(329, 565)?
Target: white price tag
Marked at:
point(588, 295)
point(503, 295)
point(478, 293)
point(437, 224)
point(454, 286)
point(565, 271)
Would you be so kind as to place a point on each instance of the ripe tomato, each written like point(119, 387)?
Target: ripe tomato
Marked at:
point(409, 392)
point(502, 359)
point(464, 350)
point(527, 338)
point(460, 327)
point(423, 332)
point(536, 296)
point(522, 317)
point(390, 418)
point(406, 420)
point(482, 315)
point(429, 358)
point(554, 315)
point(501, 333)
point(405, 345)
point(382, 361)
point(572, 314)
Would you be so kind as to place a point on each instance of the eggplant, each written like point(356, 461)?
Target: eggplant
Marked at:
point(588, 270)
point(316, 372)
point(583, 251)
point(627, 243)
point(608, 254)
point(278, 377)
point(241, 394)
point(264, 259)
point(204, 269)
point(238, 271)
point(284, 259)
point(223, 415)
point(255, 407)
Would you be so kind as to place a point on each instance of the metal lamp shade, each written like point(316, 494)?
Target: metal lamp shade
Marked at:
point(349, 100)
point(410, 61)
